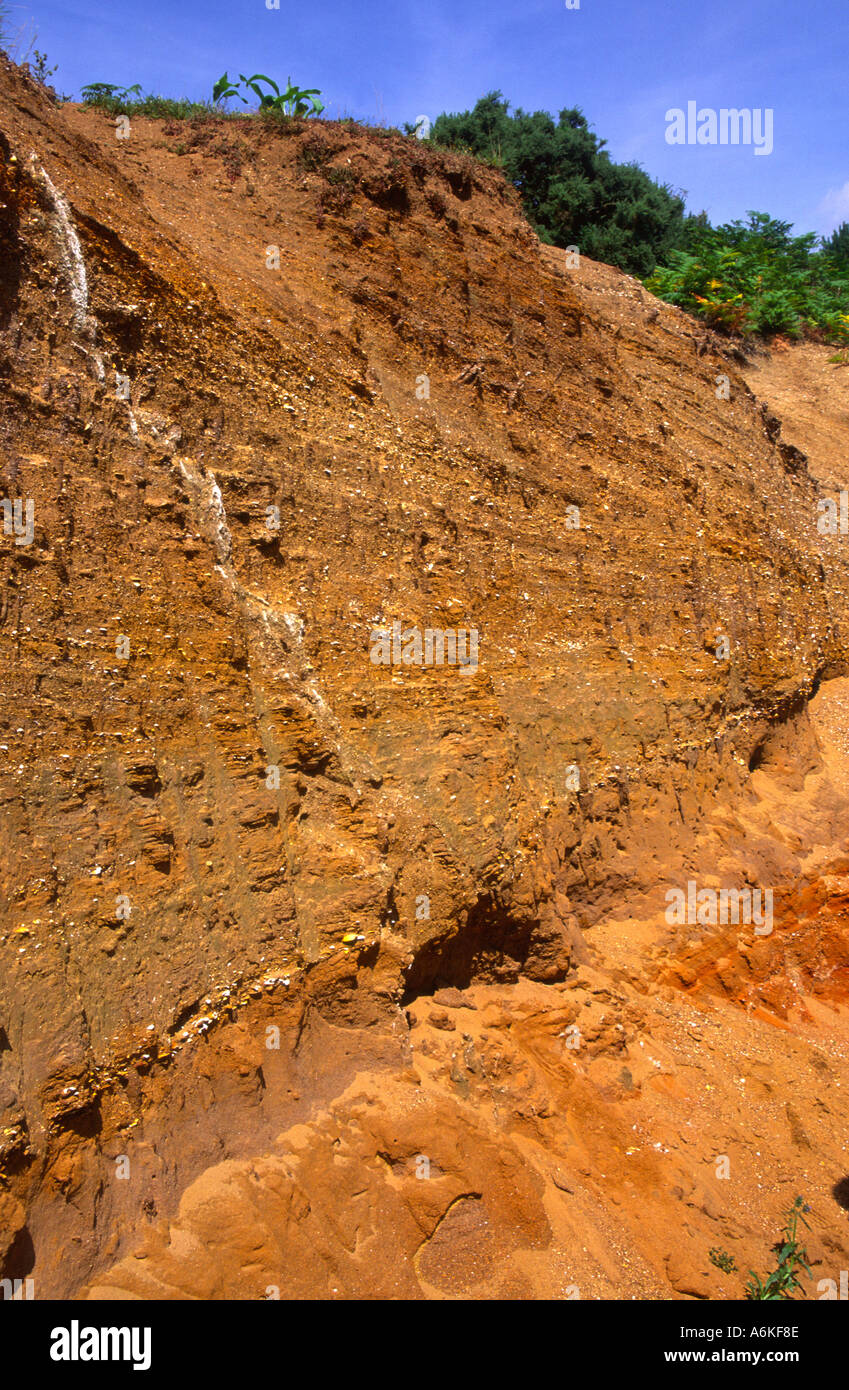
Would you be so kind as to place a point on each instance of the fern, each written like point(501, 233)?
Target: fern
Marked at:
point(755, 278)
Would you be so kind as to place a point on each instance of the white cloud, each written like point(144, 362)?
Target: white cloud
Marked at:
point(834, 208)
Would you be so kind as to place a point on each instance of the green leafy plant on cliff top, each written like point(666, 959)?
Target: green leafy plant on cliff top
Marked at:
point(224, 89)
point(39, 69)
point(792, 1259)
point(295, 101)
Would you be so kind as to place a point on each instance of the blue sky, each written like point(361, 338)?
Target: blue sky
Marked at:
point(624, 62)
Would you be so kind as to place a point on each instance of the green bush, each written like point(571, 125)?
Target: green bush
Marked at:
point(128, 101)
point(40, 71)
point(754, 277)
point(722, 1260)
point(572, 192)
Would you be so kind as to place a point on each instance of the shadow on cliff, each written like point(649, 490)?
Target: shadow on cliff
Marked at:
point(20, 1259)
point(10, 265)
point(490, 947)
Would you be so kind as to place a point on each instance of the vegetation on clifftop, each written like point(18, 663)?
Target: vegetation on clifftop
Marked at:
point(751, 278)
point(755, 277)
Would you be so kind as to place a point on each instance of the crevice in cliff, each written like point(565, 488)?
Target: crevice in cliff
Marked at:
point(10, 260)
point(491, 946)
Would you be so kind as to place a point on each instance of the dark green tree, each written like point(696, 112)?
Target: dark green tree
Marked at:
point(573, 193)
point(837, 245)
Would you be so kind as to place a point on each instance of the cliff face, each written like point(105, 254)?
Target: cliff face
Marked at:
point(271, 391)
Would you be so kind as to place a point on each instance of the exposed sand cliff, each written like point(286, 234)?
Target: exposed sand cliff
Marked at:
point(514, 1078)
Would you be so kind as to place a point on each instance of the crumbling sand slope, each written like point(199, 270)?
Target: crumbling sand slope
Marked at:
point(208, 328)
